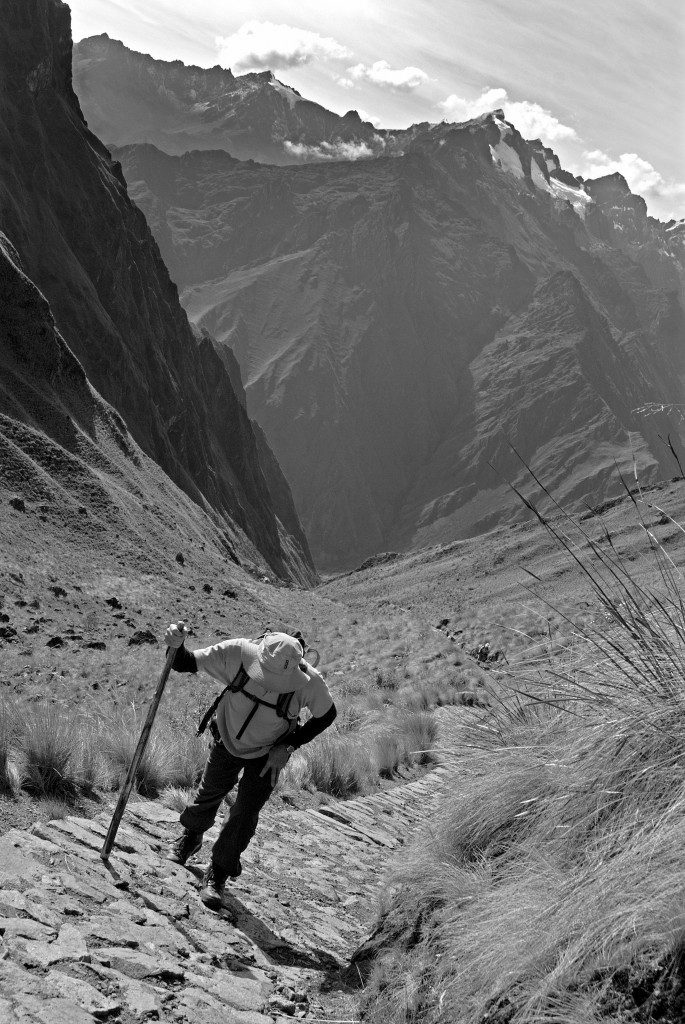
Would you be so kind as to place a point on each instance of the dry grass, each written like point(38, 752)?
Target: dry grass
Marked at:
point(8, 733)
point(557, 872)
point(339, 765)
point(176, 798)
point(46, 745)
point(188, 756)
point(155, 769)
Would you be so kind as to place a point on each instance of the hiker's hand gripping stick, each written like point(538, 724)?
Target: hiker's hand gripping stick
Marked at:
point(176, 634)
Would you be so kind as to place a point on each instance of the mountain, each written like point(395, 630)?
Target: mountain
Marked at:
point(131, 97)
point(401, 320)
point(82, 247)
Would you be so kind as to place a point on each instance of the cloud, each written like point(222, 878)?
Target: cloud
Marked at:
point(639, 173)
point(336, 150)
point(642, 177)
point(346, 83)
point(365, 116)
point(458, 109)
point(532, 120)
point(262, 44)
point(380, 73)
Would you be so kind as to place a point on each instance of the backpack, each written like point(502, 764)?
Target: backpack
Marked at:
point(237, 685)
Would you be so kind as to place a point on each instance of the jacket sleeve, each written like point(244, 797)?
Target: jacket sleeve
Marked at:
point(184, 660)
point(307, 732)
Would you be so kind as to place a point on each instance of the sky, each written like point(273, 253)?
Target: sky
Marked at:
point(600, 81)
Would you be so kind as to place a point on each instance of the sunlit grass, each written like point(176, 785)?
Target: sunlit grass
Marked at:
point(48, 761)
point(8, 732)
point(556, 870)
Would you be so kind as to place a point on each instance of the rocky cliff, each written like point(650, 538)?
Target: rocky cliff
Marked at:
point(399, 321)
point(87, 247)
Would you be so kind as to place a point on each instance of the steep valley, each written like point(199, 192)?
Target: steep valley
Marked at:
point(470, 368)
point(401, 322)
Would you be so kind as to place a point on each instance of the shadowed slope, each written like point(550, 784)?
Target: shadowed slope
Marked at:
point(64, 205)
point(74, 473)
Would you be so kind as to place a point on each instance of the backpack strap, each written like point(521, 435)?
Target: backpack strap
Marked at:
point(280, 707)
point(235, 685)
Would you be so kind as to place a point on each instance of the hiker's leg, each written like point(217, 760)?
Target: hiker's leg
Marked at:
point(218, 779)
point(253, 792)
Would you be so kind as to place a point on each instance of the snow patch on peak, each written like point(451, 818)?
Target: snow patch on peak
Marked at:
point(507, 159)
point(577, 197)
point(286, 92)
point(538, 177)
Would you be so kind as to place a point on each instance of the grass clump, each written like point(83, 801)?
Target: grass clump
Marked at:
point(552, 889)
point(338, 765)
point(155, 769)
point(389, 752)
point(420, 731)
point(188, 756)
point(46, 747)
point(8, 735)
point(176, 798)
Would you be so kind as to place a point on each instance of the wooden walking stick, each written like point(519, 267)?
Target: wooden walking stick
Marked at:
point(125, 791)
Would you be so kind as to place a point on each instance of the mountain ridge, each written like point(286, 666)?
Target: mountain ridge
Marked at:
point(362, 297)
point(357, 295)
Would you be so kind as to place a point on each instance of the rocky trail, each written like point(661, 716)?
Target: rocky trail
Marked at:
point(126, 941)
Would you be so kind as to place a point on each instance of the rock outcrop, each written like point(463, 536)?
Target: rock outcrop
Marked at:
point(399, 321)
point(80, 239)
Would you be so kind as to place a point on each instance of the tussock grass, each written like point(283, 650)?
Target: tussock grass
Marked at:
point(176, 798)
point(155, 770)
point(387, 680)
point(553, 888)
point(52, 808)
point(46, 745)
point(8, 733)
point(419, 731)
point(389, 752)
point(339, 765)
point(188, 754)
point(296, 775)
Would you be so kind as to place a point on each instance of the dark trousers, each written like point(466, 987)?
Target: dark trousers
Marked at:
point(219, 777)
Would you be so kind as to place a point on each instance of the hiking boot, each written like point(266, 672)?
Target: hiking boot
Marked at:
point(185, 846)
point(213, 887)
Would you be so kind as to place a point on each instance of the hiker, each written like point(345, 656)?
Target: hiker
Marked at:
point(254, 725)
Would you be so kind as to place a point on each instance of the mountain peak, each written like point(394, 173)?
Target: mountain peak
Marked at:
point(616, 182)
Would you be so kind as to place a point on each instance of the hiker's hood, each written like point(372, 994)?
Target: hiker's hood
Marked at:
point(275, 662)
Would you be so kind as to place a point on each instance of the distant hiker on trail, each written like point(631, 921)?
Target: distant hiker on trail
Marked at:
point(255, 728)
